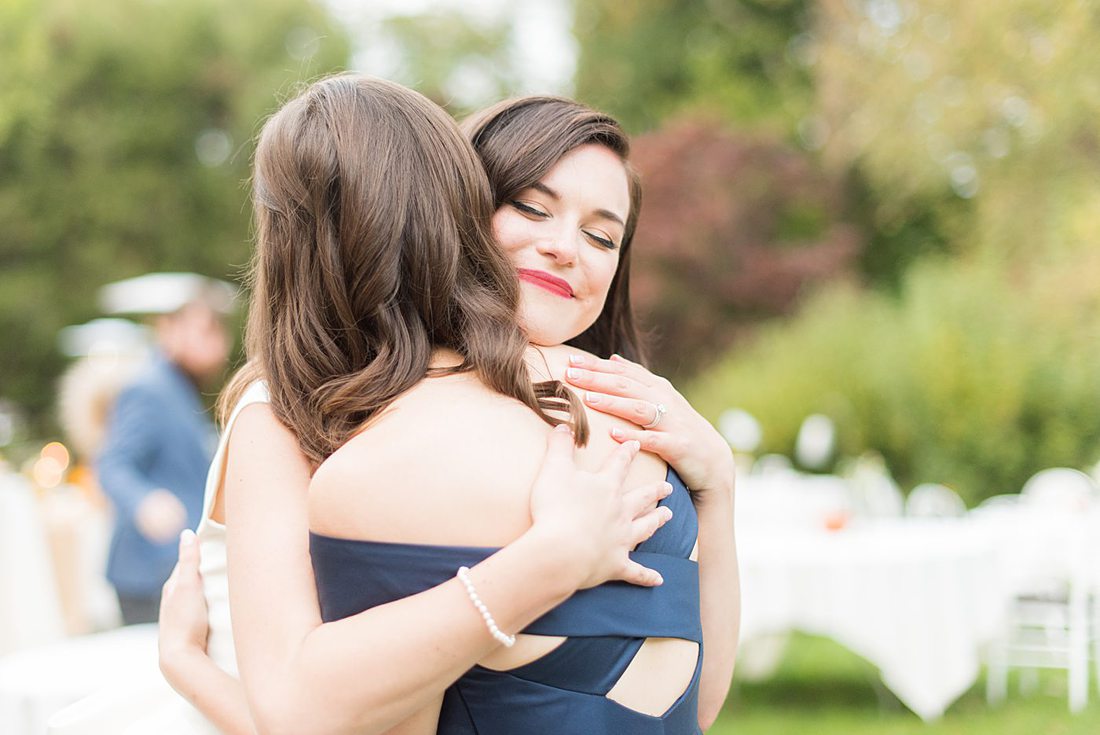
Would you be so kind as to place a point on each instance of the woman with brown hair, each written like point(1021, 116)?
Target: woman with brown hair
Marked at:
point(358, 390)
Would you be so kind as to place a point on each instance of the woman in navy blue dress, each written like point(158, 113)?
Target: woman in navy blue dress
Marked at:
point(422, 476)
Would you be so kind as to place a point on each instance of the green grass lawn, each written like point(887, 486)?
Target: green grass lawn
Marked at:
point(822, 689)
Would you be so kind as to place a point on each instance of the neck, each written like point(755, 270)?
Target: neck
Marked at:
point(443, 357)
point(547, 362)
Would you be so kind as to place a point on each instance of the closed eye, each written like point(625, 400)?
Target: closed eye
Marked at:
point(528, 209)
point(601, 241)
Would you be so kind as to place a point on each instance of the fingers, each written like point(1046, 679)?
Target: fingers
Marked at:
point(635, 573)
point(645, 526)
point(618, 462)
point(633, 410)
point(170, 584)
point(189, 553)
point(618, 385)
point(559, 446)
point(617, 365)
point(186, 572)
point(620, 360)
point(644, 498)
point(661, 443)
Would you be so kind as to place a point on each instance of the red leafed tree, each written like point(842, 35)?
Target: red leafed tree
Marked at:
point(733, 229)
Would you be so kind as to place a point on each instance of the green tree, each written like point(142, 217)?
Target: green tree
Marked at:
point(740, 60)
point(458, 62)
point(970, 378)
point(991, 102)
point(984, 366)
point(125, 142)
point(734, 229)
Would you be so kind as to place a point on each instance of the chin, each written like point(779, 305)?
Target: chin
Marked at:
point(547, 335)
point(540, 340)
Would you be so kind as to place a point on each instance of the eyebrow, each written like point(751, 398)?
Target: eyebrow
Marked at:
point(604, 213)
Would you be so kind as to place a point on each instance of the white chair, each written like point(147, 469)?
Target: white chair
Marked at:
point(874, 492)
point(816, 442)
point(930, 500)
point(1060, 489)
point(1092, 562)
point(1048, 564)
point(770, 465)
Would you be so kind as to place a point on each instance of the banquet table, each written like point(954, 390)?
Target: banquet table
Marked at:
point(30, 605)
point(35, 683)
point(916, 598)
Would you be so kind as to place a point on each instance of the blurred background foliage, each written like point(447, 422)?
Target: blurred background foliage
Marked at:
point(125, 142)
point(887, 211)
point(983, 366)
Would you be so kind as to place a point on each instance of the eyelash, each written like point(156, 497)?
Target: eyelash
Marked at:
point(529, 210)
point(603, 242)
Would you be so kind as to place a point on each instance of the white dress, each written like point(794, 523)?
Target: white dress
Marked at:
point(147, 705)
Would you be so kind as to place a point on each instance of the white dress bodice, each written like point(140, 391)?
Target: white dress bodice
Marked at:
point(142, 702)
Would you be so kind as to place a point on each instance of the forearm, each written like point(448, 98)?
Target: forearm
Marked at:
point(720, 602)
point(218, 695)
point(129, 446)
point(123, 484)
point(366, 673)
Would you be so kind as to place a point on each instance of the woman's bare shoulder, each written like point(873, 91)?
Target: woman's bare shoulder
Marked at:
point(449, 462)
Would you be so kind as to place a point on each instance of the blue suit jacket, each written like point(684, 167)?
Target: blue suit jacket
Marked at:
point(158, 436)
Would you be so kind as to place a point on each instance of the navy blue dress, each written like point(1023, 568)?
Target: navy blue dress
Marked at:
point(564, 691)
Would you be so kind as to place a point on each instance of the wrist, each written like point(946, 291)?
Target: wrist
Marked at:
point(177, 659)
point(561, 563)
point(719, 487)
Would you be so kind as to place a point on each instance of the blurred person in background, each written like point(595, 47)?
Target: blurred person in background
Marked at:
point(159, 441)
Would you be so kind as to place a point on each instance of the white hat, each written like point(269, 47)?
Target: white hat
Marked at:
point(104, 337)
point(165, 293)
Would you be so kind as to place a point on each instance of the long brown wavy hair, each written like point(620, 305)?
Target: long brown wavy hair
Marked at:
point(374, 247)
point(519, 141)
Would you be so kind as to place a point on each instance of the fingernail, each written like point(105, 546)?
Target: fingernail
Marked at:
point(667, 488)
point(187, 537)
point(616, 356)
point(562, 428)
point(573, 373)
point(617, 432)
point(660, 579)
point(635, 445)
point(576, 360)
point(668, 515)
point(592, 397)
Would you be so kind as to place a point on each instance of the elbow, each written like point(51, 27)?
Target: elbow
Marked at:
point(276, 720)
point(710, 707)
point(294, 713)
point(707, 719)
point(272, 723)
point(284, 713)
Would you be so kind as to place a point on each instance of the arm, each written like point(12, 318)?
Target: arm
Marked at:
point(371, 671)
point(181, 640)
point(720, 598)
point(687, 442)
point(129, 448)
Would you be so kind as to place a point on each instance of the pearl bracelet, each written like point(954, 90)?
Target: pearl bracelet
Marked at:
point(507, 640)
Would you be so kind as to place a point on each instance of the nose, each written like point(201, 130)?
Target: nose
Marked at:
point(561, 246)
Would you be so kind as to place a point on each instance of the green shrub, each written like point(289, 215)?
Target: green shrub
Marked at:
point(974, 375)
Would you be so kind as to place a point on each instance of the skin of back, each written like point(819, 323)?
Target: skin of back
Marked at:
point(451, 462)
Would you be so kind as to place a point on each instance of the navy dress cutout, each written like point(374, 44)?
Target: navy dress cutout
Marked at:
point(564, 691)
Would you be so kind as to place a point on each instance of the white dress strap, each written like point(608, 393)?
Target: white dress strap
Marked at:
point(255, 393)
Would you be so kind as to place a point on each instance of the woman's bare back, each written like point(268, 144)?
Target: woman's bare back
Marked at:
point(451, 462)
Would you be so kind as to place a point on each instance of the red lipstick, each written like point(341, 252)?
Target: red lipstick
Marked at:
point(553, 284)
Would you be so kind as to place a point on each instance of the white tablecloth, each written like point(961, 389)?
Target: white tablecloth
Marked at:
point(918, 599)
point(30, 607)
point(37, 682)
